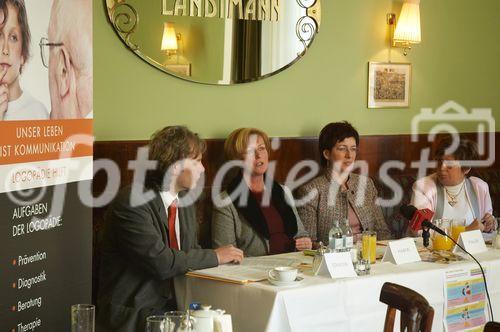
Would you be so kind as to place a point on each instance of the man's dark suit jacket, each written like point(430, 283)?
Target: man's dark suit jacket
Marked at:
point(137, 264)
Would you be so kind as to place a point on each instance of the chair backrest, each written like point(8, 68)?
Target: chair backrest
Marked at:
point(492, 327)
point(416, 313)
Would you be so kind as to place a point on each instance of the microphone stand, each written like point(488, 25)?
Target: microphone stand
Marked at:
point(426, 235)
point(440, 231)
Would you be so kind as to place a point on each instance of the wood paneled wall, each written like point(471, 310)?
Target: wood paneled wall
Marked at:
point(375, 150)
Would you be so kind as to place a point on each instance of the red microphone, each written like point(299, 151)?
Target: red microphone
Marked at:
point(417, 217)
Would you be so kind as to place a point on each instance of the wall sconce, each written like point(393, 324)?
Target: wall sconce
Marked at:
point(407, 30)
point(169, 39)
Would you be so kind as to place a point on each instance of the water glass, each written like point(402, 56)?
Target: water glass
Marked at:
point(156, 324)
point(82, 318)
point(361, 266)
point(496, 239)
point(178, 321)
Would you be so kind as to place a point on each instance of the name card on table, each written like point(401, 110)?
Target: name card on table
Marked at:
point(401, 252)
point(472, 241)
point(337, 265)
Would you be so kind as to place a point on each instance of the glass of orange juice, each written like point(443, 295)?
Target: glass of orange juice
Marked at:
point(369, 250)
point(441, 242)
point(457, 227)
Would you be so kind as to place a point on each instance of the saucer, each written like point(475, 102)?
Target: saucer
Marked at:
point(278, 283)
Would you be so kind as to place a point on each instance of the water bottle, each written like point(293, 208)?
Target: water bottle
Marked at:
point(348, 236)
point(336, 238)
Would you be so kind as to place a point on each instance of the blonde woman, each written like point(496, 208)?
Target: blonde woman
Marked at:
point(266, 222)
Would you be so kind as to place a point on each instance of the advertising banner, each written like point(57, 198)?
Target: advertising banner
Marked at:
point(46, 110)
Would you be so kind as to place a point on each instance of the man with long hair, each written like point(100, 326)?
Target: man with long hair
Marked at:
point(146, 242)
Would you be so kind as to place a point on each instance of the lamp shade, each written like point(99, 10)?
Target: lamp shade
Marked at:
point(408, 26)
point(169, 39)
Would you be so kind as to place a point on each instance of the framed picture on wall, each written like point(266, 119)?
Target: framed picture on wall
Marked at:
point(389, 84)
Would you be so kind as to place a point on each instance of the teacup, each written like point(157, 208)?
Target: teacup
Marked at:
point(283, 273)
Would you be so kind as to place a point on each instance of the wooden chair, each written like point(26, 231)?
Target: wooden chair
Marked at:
point(416, 313)
point(492, 327)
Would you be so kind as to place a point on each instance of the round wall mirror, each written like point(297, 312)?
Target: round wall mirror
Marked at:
point(217, 41)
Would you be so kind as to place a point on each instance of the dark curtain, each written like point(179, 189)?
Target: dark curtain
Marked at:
point(246, 62)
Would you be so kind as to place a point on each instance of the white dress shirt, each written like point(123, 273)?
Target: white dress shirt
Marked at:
point(167, 198)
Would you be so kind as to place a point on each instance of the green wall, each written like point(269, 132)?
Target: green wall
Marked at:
point(458, 59)
point(202, 40)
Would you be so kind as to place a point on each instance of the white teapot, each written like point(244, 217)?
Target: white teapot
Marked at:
point(205, 318)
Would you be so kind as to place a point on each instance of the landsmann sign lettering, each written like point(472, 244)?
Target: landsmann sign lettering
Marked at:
point(260, 10)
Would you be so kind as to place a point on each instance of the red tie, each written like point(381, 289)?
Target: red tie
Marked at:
point(172, 238)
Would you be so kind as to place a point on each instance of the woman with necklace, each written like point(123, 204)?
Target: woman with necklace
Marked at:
point(451, 193)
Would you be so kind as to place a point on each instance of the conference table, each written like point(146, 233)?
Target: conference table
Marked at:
point(321, 303)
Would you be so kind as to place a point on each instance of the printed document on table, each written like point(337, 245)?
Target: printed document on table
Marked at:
point(250, 270)
point(465, 302)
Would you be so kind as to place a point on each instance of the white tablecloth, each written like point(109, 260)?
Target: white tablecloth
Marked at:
point(320, 303)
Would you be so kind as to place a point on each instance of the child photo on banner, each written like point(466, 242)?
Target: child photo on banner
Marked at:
point(45, 60)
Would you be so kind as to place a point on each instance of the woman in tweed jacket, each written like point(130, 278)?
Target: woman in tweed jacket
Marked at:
point(337, 194)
